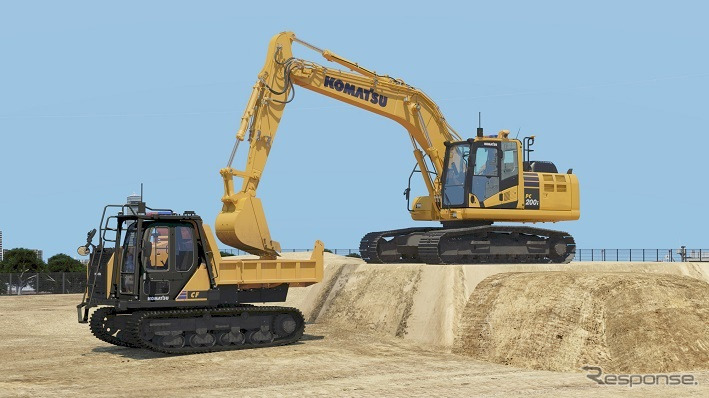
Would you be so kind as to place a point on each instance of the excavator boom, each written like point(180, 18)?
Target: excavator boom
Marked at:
point(242, 223)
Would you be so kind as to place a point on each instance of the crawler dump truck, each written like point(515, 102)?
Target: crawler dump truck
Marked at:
point(160, 283)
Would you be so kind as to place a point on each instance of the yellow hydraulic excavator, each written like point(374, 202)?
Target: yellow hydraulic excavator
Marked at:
point(471, 183)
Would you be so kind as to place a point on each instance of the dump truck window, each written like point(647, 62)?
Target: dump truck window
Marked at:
point(156, 249)
point(129, 259)
point(128, 264)
point(185, 247)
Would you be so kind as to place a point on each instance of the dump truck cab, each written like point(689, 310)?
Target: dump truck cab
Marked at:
point(145, 259)
point(158, 254)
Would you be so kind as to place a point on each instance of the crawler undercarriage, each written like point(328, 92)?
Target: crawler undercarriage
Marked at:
point(197, 330)
point(477, 244)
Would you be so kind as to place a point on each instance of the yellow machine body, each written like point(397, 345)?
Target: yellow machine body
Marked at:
point(536, 197)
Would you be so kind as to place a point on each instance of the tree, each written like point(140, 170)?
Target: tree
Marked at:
point(25, 264)
point(22, 260)
point(63, 263)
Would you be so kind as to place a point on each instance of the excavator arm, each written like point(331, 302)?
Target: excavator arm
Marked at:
point(242, 223)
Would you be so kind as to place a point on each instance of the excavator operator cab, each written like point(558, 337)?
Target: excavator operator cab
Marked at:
point(477, 171)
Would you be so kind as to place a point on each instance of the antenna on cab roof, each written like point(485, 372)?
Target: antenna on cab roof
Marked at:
point(480, 126)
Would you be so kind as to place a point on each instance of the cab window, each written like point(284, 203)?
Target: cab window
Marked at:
point(456, 169)
point(184, 248)
point(128, 263)
point(156, 248)
point(509, 160)
point(486, 161)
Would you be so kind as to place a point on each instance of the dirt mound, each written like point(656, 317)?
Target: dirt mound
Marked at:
point(425, 303)
point(623, 322)
point(412, 301)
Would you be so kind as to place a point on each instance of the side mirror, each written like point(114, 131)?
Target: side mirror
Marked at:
point(83, 251)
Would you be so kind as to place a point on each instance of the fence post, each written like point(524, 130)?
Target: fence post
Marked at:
point(631, 254)
point(37, 288)
point(63, 282)
point(9, 286)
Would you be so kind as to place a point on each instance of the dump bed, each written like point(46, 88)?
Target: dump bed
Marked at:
point(233, 270)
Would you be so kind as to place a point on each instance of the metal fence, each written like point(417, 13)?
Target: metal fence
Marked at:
point(652, 255)
point(627, 255)
point(42, 283)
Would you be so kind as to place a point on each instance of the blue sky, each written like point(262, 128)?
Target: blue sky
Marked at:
point(97, 98)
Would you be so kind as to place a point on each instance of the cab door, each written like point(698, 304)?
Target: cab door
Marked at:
point(485, 172)
point(495, 177)
point(455, 181)
point(169, 258)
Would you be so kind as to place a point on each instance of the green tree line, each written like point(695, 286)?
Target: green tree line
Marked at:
point(26, 261)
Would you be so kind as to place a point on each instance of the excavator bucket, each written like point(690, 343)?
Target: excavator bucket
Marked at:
point(242, 224)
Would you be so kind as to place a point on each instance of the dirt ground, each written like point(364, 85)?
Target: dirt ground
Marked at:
point(46, 353)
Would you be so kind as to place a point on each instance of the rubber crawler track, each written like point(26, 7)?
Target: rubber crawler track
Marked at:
point(99, 328)
point(136, 321)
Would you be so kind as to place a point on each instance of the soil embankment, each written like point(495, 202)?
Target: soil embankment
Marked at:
point(623, 322)
point(651, 317)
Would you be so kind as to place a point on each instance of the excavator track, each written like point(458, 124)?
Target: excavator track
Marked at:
point(496, 244)
point(470, 245)
point(375, 249)
point(104, 327)
point(199, 330)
